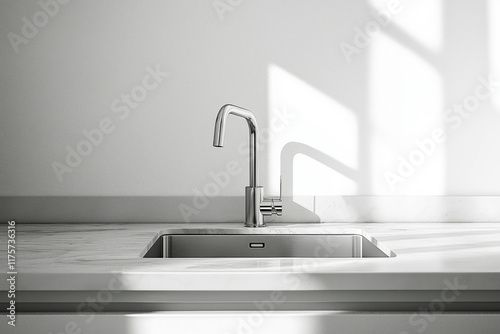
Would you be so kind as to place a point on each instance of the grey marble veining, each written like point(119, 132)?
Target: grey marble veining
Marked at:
point(57, 257)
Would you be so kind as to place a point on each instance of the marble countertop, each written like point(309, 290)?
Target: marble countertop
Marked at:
point(63, 257)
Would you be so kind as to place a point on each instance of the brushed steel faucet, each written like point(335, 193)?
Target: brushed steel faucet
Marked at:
point(256, 207)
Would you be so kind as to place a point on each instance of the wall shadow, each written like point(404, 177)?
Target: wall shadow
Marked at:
point(288, 153)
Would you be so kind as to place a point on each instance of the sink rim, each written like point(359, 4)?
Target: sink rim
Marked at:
point(271, 230)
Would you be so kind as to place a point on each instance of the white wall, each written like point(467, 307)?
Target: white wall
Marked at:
point(337, 126)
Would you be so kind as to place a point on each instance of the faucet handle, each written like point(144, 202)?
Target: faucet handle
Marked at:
point(278, 206)
point(271, 206)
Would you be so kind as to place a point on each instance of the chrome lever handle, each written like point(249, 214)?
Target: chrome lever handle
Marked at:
point(272, 206)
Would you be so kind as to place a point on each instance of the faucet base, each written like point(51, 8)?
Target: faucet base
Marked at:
point(255, 226)
point(253, 216)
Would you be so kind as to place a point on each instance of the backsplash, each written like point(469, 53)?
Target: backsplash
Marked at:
point(359, 103)
point(224, 209)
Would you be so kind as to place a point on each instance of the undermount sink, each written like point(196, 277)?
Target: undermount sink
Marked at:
point(263, 243)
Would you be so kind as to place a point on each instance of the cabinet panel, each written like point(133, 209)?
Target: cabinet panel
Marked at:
point(295, 322)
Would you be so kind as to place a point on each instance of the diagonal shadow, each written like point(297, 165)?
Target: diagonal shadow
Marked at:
point(288, 152)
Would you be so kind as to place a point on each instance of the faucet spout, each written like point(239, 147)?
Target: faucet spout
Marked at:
point(220, 130)
point(255, 204)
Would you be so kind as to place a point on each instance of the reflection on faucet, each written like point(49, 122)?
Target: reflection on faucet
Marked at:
point(255, 204)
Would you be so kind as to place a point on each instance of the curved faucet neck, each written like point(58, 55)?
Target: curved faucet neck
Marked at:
point(220, 128)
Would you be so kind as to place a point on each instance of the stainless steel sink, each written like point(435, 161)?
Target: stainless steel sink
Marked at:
point(263, 244)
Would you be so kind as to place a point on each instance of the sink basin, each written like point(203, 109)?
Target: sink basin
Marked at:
point(264, 243)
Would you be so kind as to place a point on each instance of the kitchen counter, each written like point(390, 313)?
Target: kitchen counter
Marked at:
point(71, 271)
point(53, 257)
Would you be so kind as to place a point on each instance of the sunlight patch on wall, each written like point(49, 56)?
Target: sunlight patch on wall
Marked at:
point(422, 20)
point(331, 181)
point(320, 123)
point(406, 109)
